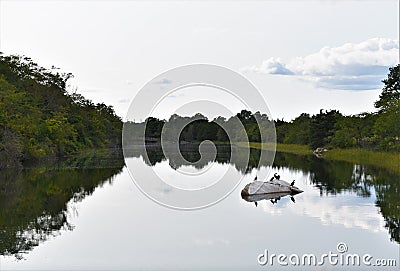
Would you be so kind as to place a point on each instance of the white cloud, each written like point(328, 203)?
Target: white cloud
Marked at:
point(333, 210)
point(352, 66)
point(274, 66)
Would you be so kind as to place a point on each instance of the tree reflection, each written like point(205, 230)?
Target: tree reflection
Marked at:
point(331, 177)
point(189, 154)
point(33, 202)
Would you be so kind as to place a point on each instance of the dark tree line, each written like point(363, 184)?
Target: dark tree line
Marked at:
point(244, 126)
point(39, 118)
point(376, 131)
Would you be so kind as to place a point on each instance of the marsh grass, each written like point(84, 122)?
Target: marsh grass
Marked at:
point(387, 160)
point(288, 148)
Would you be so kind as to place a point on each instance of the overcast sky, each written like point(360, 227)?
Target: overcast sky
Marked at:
point(302, 55)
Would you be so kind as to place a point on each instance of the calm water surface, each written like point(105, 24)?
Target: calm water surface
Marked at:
point(87, 213)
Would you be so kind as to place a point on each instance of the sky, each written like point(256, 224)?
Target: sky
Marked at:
point(302, 56)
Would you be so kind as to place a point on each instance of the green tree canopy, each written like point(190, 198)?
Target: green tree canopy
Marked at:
point(39, 118)
point(391, 91)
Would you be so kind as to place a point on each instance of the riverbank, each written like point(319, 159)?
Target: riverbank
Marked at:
point(85, 159)
point(390, 161)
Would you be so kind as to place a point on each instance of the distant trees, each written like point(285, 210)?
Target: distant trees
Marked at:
point(315, 131)
point(39, 118)
point(154, 127)
point(354, 131)
point(322, 127)
point(300, 130)
point(387, 128)
point(241, 127)
point(249, 122)
point(331, 129)
point(201, 130)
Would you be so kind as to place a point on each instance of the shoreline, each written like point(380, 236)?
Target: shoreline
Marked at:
point(386, 160)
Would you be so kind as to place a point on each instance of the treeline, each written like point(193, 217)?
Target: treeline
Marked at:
point(331, 129)
point(375, 131)
point(244, 126)
point(39, 118)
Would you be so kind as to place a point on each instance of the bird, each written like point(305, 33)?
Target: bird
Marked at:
point(255, 179)
point(256, 203)
point(292, 183)
point(272, 179)
point(277, 176)
point(275, 200)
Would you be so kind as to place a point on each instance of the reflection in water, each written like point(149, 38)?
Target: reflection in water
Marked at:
point(272, 190)
point(331, 177)
point(34, 201)
point(190, 154)
point(273, 198)
point(335, 177)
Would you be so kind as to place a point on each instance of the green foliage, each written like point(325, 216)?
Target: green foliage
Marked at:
point(391, 91)
point(353, 170)
point(322, 127)
point(354, 131)
point(387, 128)
point(38, 118)
point(243, 126)
point(389, 161)
point(299, 132)
point(387, 125)
point(34, 201)
point(154, 127)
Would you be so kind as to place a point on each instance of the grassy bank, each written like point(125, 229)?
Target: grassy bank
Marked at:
point(390, 161)
point(288, 148)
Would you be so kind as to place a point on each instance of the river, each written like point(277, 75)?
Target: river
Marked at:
point(87, 213)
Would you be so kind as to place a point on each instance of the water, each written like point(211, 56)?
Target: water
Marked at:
point(88, 214)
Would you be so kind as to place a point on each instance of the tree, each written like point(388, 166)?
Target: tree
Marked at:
point(38, 117)
point(387, 128)
point(298, 131)
point(322, 127)
point(281, 127)
point(154, 127)
point(387, 125)
point(391, 91)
